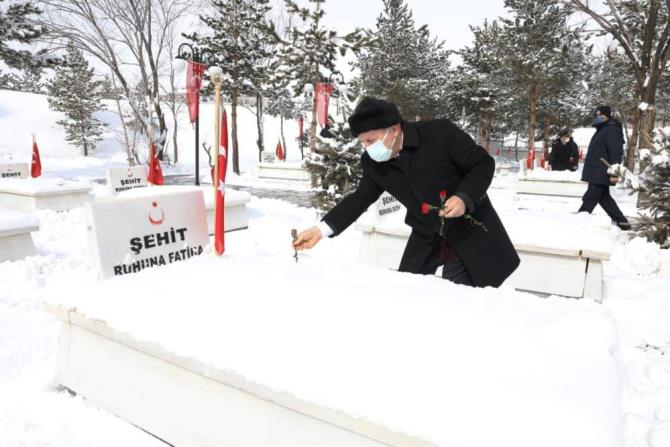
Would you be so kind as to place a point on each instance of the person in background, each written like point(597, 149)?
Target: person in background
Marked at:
point(606, 144)
point(564, 152)
point(423, 165)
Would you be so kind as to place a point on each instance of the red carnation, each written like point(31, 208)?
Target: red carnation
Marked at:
point(443, 194)
point(425, 208)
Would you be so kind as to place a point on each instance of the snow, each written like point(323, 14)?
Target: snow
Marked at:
point(643, 106)
point(38, 186)
point(11, 220)
point(556, 176)
point(526, 368)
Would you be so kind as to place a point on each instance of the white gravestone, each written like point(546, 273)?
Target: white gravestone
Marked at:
point(127, 235)
point(387, 205)
point(14, 170)
point(268, 157)
point(124, 179)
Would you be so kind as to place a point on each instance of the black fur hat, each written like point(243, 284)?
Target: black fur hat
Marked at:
point(372, 114)
point(604, 110)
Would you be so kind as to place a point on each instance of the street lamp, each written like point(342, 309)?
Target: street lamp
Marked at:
point(203, 58)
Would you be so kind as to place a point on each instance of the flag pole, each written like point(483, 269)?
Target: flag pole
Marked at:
point(215, 74)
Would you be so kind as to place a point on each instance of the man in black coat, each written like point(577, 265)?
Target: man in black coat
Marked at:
point(606, 144)
point(414, 162)
point(564, 152)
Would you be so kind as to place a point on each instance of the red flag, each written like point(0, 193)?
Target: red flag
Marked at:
point(301, 125)
point(280, 152)
point(530, 160)
point(323, 92)
point(498, 152)
point(155, 176)
point(581, 154)
point(542, 160)
point(36, 164)
point(220, 183)
point(194, 75)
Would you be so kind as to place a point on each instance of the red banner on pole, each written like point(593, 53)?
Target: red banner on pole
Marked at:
point(301, 125)
point(194, 75)
point(323, 92)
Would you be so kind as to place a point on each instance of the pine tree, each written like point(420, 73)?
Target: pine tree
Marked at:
point(337, 162)
point(404, 64)
point(238, 36)
point(654, 223)
point(18, 25)
point(310, 49)
point(281, 104)
point(537, 43)
point(76, 93)
point(30, 81)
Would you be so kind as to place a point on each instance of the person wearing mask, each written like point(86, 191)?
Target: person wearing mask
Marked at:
point(417, 163)
point(606, 144)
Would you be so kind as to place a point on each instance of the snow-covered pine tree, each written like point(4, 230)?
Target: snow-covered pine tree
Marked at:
point(537, 39)
point(337, 163)
point(18, 25)
point(237, 35)
point(310, 48)
point(30, 81)
point(281, 104)
point(654, 223)
point(404, 64)
point(76, 93)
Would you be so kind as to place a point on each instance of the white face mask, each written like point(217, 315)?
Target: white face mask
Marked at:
point(378, 150)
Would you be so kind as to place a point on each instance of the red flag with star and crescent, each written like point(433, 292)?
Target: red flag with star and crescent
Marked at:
point(155, 176)
point(36, 164)
point(220, 183)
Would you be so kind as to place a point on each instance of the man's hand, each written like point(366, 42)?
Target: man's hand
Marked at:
point(307, 239)
point(454, 207)
point(614, 180)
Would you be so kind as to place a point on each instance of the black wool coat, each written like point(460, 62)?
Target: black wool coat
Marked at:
point(437, 156)
point(606, 143)
point(564, 156)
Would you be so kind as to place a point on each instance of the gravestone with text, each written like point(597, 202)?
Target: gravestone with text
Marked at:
point(124, 179)
point(14, 170)
point(150, 229)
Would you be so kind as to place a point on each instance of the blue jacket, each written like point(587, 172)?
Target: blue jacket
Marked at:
point(606, 143)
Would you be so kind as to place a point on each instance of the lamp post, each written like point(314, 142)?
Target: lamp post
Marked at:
point(192, 54)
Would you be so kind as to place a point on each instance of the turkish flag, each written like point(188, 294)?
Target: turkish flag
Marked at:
point(323, 92)
point(220, 185)
point(530, 161)
point(280, 152)
point(36, 164)
point(194, 75)
point(155, 176)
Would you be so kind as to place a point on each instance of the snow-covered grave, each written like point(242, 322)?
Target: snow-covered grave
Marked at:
point(293, 172)
point(124, 179)
point(202, 353)
point(236, 214)
point(16, 241)
point(145, 228)
point(551, 183)
point(14, 170)
point(560, 253)
point(40, 193)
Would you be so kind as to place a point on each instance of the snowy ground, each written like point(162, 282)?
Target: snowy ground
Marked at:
point(34, 413)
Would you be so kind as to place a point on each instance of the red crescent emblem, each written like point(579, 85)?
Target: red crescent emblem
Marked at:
point(159, 220)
